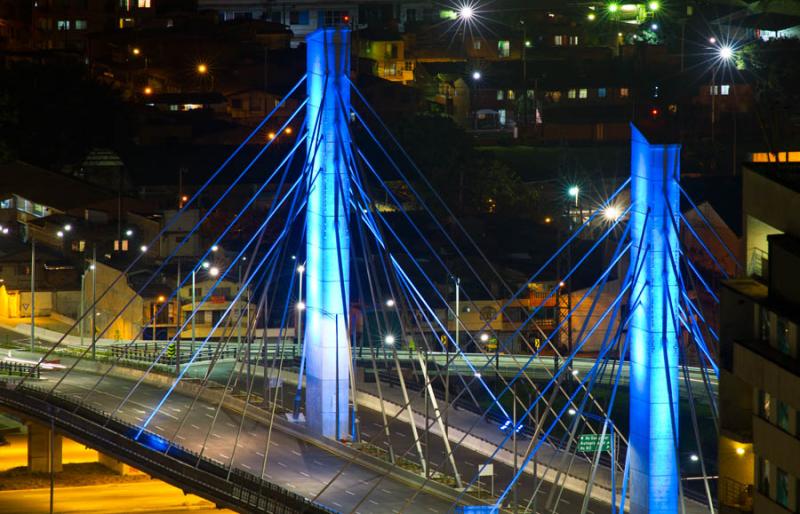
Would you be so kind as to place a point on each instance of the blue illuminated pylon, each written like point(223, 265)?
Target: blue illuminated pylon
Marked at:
point(327, 235)
point(654, 478)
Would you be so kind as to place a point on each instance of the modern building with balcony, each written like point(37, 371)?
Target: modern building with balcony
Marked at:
point(759, 384)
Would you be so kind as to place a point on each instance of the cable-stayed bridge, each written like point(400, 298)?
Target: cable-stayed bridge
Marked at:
point(349, 383)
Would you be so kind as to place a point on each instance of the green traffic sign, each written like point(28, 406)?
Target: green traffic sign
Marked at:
point(592, 443)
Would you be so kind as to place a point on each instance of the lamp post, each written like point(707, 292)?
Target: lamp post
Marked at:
point(203, 70)
point(33, 292)
point(725, 54)
point(298, 325)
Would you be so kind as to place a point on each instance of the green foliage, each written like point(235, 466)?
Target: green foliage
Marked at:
point(775, 71)
point(53, 114)
point(468, 181)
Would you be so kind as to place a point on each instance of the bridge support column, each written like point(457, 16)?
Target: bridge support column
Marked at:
point(654, 476)
point(327, 269)
point(118, 467)
point(39, 449)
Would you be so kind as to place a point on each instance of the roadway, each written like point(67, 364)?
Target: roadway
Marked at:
point(292, 464)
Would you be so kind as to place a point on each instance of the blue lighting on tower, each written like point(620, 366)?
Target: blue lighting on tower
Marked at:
point(327, 233)
point(654, 477)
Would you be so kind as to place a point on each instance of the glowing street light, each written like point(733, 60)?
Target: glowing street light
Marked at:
point(202, 68)
point(725, 53)
point(301, 306)
point(136, 51)
point(67, 227)
point(143, 248)
point(390, 302)
point(572, 412)
point(613, 7)
point(712, 40)
point(654, 5)
point(484, 337)
point(213, 271)
point(466, 12)
point(476, 75)
point(148, 91)
point(612, 213)
point(591, 16)
point(214, 248)
point(301, 269)
point(389, 339)
point(60, 233)
point(694, 458)
point(206, 265)
point(654, 26)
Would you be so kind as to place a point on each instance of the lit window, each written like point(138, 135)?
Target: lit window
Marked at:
point(558, 40)
point(511, 94)
point(764, 405)
point(62, 24)
point(503, 48)
point(725, 90)
point(573, 40)
point(120, 245)
point(601, 92)
point(476, 44)
point(623, 92)
point(499, 94)
point(782, 488)
point(530, 94)
point(571, 93)
point(80, 24)
point(583, 93)
point(144, 4)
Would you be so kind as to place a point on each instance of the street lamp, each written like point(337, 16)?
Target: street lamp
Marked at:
point(389, 340)
point(213, 271)
point(390, 302)
point(654, 5)
point(202, 69)
point(301, 268)
point(725, 53)
point(611, 213)
point(574, 191)
point(476, 75)
point(466, 12)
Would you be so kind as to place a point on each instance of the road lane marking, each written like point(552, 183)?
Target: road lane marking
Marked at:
point(373, 502)
point(386, 491)
point(297, 453)
point(246, 466)
point(350, 492)
point(305, 474)
point(259, 454)
point(281, 464)
point(224, 456)
point(195, 427)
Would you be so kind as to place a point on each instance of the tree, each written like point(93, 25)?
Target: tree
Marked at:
point(775, 71)
point(468, 181)
point(53, 114)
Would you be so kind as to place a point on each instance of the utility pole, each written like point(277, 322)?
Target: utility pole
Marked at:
point(178, 322)
point(94, 301)
point(33, 292)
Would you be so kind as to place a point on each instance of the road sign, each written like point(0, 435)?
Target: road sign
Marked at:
point(592, 443)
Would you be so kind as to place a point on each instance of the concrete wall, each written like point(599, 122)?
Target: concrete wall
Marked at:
point(129, 323)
